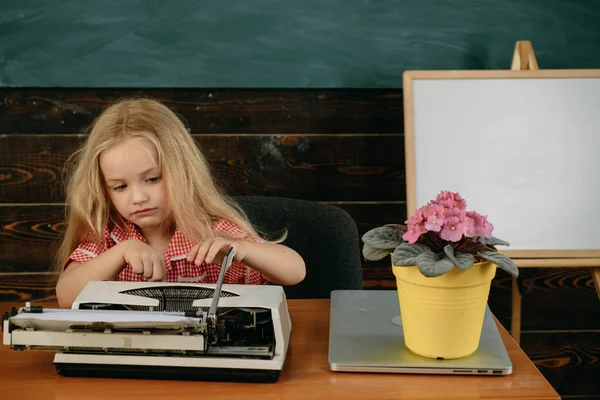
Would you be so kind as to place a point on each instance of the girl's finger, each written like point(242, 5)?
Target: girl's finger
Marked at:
point(158, 269)
point(147, 267)
point(216, 247)
point(201, 256)
point(137, 266)
point(191, 256)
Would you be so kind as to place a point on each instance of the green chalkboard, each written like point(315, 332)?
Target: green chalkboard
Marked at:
point(281, 43)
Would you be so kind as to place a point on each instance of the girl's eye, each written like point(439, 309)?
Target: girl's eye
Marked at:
point(154, 179)
point(119, 188)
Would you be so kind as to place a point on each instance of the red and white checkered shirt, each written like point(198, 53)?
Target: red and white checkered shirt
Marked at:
point(179, 269)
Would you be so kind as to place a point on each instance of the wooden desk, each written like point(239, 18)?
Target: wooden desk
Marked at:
point(31, 375)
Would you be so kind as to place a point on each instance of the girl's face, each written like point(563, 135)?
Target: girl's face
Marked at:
point(134, 184)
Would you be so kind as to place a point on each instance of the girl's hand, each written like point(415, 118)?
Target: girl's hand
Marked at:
point(144, 260)
point(216, 248)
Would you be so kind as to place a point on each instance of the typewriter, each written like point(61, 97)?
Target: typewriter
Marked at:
point(183, 331)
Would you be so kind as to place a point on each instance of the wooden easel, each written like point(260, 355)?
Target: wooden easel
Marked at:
point(524, 60)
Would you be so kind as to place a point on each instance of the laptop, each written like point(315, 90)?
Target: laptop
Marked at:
point(365, 335)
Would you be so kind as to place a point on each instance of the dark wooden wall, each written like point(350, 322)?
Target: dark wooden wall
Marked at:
point(342, 146)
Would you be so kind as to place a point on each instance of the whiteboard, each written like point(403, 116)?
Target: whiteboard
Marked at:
point(522, 147)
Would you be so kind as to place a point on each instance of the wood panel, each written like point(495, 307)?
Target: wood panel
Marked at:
point(312, 167)
point(369, 215)
point(29, 237)
point(560, 299)
point(21, 287)
point(29, 233)
point(569, 360)
point(46, 111)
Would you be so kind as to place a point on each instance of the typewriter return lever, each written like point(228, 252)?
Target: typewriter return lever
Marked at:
point(212, 312)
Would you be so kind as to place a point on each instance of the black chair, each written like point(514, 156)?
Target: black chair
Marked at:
point(324, 235)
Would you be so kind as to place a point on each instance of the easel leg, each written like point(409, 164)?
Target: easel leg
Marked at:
point(596, 276)
point(515, 322)
point(523, 59)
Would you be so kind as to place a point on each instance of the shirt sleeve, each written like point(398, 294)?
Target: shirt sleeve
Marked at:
point(256, 278)
point(85, 251)
point(239, 272)
point(232, 229)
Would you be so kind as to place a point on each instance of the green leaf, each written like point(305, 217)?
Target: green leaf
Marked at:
point(493, 241)
point(501, 261)
point(461, 260)
point(383, 237)
point(431, 266)
point(373, 254)
point(406, 254)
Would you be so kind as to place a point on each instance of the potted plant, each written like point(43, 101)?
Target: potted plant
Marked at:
point(444, 260)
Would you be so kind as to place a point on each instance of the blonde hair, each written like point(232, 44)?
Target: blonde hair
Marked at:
point(196, 200)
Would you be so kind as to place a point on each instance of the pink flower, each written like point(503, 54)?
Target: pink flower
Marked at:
point(481, 225)
point(455, 212)
point(469, 226)
point(451, 200)
point(444, 195)
point(434, 223)
point(453, 229)
point(447, 204)
point(415, 219)
point(487, 228)
point(460, 204)
point(448, 216)
point(413, 233)
point(477, 223)
point(433, 209)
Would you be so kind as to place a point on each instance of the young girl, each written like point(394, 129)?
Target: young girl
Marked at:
point(142, 206)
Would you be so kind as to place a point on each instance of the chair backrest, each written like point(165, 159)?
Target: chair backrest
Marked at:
point(324, 235)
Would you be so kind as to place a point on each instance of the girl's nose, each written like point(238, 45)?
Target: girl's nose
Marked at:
point(139, 195)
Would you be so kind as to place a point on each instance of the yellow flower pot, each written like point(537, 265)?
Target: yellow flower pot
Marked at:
point(442, 317)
